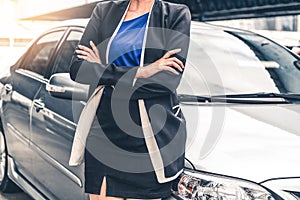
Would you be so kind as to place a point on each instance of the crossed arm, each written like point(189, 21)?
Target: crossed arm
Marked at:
point(157, 78)
point(166, 63)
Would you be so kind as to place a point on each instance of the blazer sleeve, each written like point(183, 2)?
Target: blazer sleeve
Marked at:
point(178, 36)
point(95, 74)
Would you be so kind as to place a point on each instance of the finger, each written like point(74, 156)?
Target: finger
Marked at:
point(172, 52)
point(84, 53)
point(82, 57)
point(87, 55)
point(92, 54)
point(170, 69)
point(84, 48)
point(179, 62)
point(87, 58)
point(174, 65)
point(95, 49)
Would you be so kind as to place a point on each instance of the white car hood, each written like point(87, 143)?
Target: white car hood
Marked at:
point(246, 147)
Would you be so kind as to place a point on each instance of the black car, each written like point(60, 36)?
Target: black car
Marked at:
point(230, 73)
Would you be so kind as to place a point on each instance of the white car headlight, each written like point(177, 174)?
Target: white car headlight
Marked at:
point(202, 186)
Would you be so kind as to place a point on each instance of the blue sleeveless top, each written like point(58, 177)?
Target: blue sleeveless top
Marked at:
point(126, 47)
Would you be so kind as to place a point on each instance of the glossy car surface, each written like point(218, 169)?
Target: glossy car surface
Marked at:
point(237, 145)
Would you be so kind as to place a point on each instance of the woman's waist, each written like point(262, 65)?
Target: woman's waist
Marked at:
point(112, 98)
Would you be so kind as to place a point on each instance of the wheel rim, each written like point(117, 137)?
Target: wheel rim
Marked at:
point(2, 157)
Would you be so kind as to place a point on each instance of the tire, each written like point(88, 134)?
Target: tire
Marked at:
point(6, 185)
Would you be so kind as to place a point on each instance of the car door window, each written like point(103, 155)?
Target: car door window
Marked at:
point(38, 58)
point(63, 59)
point(67, 109)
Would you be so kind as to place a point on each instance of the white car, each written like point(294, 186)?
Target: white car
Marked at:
point(240, 95)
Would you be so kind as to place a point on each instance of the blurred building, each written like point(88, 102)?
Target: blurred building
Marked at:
point(15, 32)
point(281, 23)
point(284, 29)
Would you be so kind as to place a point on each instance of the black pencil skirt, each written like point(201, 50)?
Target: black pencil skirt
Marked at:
point(102, 161)
point(122, 184)
point(118, 152)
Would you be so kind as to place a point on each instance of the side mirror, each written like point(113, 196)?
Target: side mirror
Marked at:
point(60, 85)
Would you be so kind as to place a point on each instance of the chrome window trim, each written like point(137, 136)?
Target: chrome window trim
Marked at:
point(24, 59)
point(32, 75)
point(62, 41)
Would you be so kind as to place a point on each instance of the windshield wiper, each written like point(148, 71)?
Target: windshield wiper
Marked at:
point(238, 98)
point(285, 96)
point(193, 98)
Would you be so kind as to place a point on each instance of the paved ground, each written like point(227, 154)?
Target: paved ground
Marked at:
point(15, 196)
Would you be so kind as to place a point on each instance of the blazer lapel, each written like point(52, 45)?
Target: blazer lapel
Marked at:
point(108, 27)
point(117, 13)
point(155, 41)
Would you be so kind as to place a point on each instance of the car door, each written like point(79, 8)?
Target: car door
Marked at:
point(53, 128)
point(24, 83)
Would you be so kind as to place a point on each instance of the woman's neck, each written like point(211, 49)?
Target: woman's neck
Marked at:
point(138, 8)
point(140, 5)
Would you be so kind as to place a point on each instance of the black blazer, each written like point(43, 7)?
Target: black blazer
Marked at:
point(169, 28)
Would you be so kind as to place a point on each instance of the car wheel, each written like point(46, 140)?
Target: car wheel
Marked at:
point(6, 185)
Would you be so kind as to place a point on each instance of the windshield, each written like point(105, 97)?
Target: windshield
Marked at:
point(236, 62)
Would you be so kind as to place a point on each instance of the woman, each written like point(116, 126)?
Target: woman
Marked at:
point(137, 49)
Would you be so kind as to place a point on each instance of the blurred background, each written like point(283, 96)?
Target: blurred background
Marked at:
point(23, 20)
point(16, 33)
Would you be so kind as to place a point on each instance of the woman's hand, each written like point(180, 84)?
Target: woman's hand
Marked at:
point(166, 63)
point(90, 55)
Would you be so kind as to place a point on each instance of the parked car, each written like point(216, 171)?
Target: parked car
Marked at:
point(240, 95)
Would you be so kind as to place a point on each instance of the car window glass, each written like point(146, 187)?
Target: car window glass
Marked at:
point(38, 58)
point(237, 62)
point(278, 62)
point(66, 52)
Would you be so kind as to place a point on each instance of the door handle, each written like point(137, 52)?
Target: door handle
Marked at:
point(8, 88)
point(6, 92)
point(38, 104)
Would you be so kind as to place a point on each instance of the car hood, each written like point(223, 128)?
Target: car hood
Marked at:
point(253, 142)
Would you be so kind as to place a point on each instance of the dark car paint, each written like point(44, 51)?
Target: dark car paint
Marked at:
point(39, 140)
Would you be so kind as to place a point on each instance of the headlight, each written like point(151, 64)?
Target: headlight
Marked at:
point(199, 186)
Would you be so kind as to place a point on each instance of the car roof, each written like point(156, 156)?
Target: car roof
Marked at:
point(195, 25)
point(70, 23)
